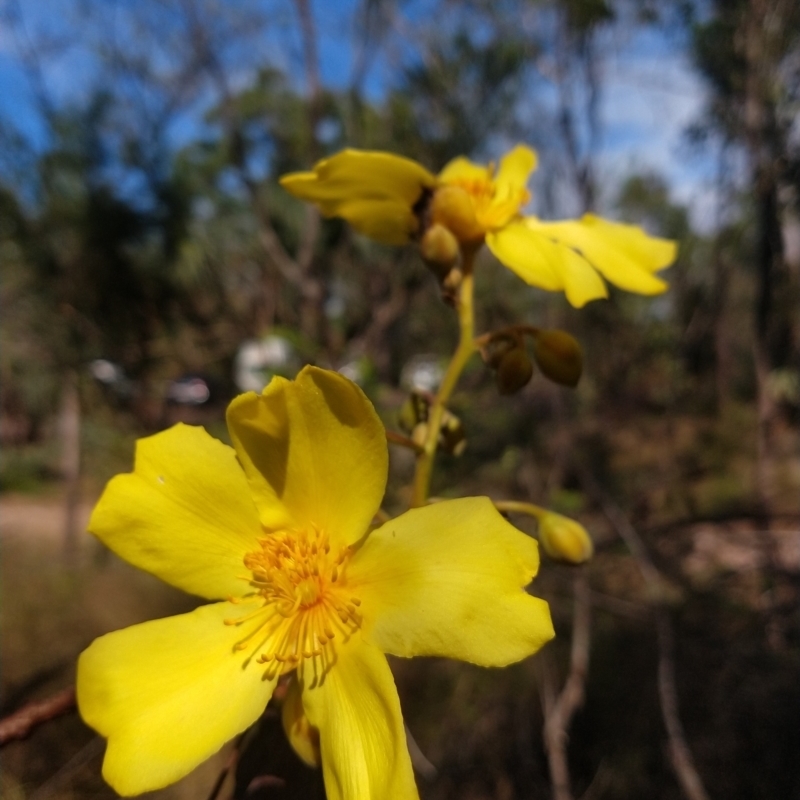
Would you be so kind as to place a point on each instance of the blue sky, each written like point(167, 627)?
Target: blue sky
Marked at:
point(650, 92)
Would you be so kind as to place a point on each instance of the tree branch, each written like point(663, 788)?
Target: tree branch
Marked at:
point(20, 724)
point(558, 712)
point(680, 755)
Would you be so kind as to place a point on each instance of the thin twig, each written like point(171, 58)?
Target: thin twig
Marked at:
point(558, 712)
point(422, 766)
point(229, 766)
point(20, 724)
point(680, 754)
point(397, 438)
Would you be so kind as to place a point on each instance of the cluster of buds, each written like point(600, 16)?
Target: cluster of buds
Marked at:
point(413, 419)
point(441, 252)
point(557, 354)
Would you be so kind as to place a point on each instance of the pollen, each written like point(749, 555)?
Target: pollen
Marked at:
point(300, 587)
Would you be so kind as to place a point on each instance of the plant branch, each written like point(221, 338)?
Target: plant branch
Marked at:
point(464, 350)
point(680, 755)
point(404, 441)
point(22, 722)
point(518, 507)
point(679, 752)
point(558, 712)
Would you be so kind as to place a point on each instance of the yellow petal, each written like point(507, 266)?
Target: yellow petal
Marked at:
point(185, 513)
point(385, 221)
point(360, 175)
point(357, 713)
point(600, 245)
point(315, 453)
point(649, 252)
point(167, 695)
point(535, 260)
point(462, 170)
point(302, 735)
point(544, 263)
point(446, 580)
point(514, 170)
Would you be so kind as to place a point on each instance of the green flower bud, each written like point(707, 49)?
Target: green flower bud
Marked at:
point(564, 539)
point(559, 356)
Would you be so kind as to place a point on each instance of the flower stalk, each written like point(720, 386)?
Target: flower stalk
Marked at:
point(466, 347)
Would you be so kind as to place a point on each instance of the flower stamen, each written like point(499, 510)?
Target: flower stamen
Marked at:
point(304, 599)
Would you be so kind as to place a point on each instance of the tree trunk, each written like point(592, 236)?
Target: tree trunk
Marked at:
point(69, 428)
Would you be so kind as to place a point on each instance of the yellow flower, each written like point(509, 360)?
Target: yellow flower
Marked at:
point(276, 531)
point(395, 200)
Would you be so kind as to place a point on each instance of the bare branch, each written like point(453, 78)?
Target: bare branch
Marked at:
point(558, 712)
point(20, 724)
point(310, 54)
point(680, 754)
point(206, 57)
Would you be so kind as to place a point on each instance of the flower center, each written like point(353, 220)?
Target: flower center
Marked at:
point(493, 208)
point(470, 207)
point(304, 603)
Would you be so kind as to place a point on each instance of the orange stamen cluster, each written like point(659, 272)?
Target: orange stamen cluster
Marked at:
point(492, 211)
point(304, 602)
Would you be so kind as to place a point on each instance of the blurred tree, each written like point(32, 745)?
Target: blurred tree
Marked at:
point(748, 51)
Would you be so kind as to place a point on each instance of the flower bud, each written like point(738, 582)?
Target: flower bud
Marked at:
point(452, 281)
point(514, 371)
point(420, 433)
point(439, 249)
point(559, 356)
point(496, 348)
point(452, 207)
point(564, 539)
point(413, 411)
point(452, 436)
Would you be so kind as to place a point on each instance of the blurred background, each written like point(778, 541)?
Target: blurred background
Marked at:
point(152, 268)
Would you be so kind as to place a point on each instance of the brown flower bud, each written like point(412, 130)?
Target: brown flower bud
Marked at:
point(514, 371)
point(559, 356)
point(496, 348)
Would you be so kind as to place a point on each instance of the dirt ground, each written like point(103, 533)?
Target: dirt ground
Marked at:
point(51, 610)
point(737, 664)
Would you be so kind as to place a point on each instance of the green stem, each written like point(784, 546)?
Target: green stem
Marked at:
point(466, 347)
point(517, 507)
